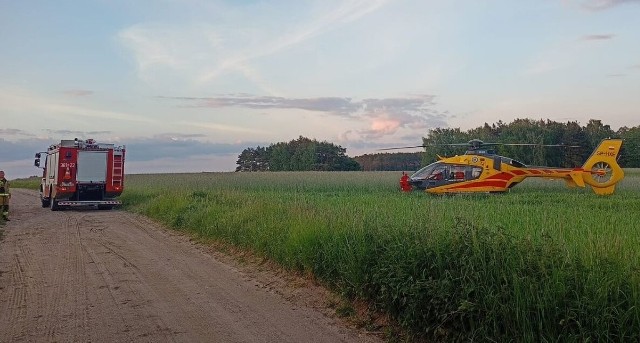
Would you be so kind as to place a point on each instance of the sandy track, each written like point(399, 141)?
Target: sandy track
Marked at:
point(116, 276)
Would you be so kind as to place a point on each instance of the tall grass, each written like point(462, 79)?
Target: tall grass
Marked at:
point(540, 263)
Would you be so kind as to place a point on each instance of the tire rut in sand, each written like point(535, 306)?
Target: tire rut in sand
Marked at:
point(17, 305)
point(123, 282)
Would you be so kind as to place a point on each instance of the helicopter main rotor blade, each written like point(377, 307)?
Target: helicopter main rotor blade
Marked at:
point(476, 144)
point(405, 147)
point(426, 146)
point(533, 144)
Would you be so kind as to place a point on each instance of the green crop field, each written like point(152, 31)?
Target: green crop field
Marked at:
point(540, 263)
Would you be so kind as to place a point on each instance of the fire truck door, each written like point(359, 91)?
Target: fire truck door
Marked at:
point(92, 167)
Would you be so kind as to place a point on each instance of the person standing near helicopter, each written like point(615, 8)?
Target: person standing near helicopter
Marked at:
point(5, 194)
point(405, 186)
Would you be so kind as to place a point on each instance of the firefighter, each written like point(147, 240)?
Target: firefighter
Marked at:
point(5, 194)
point(405, 186)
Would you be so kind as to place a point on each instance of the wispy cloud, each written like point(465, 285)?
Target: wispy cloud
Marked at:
point(598, 37)
point(19, 100)
point(81, 134)
point(78, 92)
point(15, 132)
point(202, 52)
point(597, 5)
point(336, 105)
point(179, 136)
point(322, 104)
point(345, 12)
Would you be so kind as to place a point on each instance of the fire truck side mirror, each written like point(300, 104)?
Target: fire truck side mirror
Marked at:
point(36, 162)
point(38, 155)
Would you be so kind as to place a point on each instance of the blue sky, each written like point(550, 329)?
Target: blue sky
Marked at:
point(187, 85)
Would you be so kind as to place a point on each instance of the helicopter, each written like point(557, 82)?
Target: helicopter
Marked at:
point(481, 170)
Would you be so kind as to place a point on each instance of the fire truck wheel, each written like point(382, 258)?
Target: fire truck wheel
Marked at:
point(54, 205)
point(45, 202)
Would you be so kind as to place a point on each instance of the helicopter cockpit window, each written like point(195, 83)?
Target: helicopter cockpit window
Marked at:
point(426, 171)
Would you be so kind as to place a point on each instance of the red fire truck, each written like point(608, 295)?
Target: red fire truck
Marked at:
point(81, 173)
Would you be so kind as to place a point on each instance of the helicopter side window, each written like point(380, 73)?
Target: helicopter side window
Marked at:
point(457, 173)
point(475, 172)
point(517, 164)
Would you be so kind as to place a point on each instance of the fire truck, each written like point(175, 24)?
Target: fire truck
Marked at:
point(81, 173)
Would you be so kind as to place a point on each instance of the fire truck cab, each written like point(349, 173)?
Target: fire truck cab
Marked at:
point(81, 173)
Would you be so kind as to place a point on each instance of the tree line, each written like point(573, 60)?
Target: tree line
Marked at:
point(302, 154)
point(399, 161)
point(307, 154)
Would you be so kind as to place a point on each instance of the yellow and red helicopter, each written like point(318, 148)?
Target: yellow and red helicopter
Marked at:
point(482, 170)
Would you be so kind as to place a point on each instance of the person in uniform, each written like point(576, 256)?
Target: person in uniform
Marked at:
point(5, 194)
point(405, 186)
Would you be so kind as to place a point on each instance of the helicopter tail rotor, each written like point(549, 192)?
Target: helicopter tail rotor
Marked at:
point(601, 170)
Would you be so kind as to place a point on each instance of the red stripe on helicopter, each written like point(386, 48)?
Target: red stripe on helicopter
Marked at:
point(487, 183)
point(502, 176)
point(518, 172)
point(534, 171)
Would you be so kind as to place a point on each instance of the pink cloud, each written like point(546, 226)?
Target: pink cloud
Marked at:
point(384, 125)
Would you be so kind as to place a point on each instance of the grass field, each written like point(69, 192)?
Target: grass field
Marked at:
point(541, 263)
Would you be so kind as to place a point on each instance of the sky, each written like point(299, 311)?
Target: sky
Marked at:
point(186, 85)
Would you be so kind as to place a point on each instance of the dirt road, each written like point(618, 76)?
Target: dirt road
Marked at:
point(79, 276)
